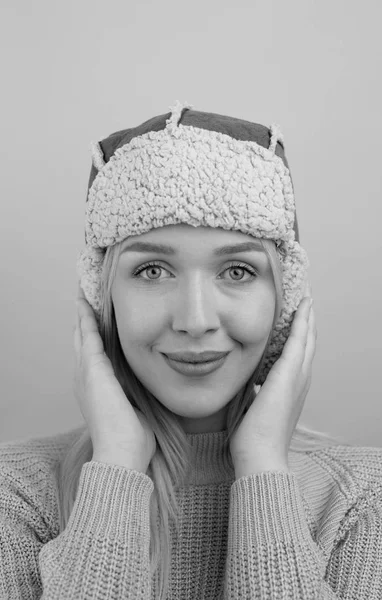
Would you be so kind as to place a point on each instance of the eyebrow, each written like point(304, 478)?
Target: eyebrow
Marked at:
point(164, 249)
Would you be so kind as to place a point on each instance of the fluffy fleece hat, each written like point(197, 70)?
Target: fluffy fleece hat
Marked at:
point(202, 169)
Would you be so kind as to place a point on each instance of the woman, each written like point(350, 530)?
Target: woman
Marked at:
point(194, 342)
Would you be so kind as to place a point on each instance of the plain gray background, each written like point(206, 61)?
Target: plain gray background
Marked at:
point(75, 71)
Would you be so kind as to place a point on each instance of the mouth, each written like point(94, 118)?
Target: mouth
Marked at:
point(196, 357)
point(195, 369)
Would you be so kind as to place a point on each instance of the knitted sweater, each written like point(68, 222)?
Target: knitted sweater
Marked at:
point(313, 533)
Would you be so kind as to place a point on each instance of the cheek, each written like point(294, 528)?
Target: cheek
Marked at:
point(137, 323)
point(253, 322)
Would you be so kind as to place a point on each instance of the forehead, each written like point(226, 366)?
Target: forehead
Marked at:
point(180, 236)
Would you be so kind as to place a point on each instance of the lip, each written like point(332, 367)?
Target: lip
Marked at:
point(196, 369)
point(196, 357)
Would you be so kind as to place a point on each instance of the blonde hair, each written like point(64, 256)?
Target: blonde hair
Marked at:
point(171, 461)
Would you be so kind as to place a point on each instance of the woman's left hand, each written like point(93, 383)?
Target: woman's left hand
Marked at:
point(261, 441)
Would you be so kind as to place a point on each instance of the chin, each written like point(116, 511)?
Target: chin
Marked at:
point(194, 404)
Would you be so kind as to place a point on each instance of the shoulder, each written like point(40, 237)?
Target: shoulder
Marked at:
point(35, 454)
point(338, 484)
point(28, 475)
point(354, 468)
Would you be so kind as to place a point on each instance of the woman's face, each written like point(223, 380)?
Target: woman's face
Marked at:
point(193, 299)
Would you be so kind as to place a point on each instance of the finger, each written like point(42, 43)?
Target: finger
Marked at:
point(310, 348)
point(308, 289)
point(92, 344)
point(80, 291)
point(77, 343)
point(294, 348)
point(300, 323)
point(77, 334)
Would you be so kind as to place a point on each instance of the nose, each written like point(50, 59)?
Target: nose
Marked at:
point(195, 310)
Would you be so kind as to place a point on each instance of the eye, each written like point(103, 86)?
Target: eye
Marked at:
point(237, 266)
point(242, 267)
point(145, 267)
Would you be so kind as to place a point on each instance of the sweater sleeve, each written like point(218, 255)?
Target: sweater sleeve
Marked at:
point(271, 554)
point(102, 554)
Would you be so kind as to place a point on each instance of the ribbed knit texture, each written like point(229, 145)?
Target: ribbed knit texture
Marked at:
point(313, 533)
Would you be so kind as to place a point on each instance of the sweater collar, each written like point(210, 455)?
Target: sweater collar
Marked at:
point(209, 463)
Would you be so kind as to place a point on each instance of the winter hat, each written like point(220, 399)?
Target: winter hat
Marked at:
point(202, 169)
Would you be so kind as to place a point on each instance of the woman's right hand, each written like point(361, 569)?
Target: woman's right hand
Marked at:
point(120, 433)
